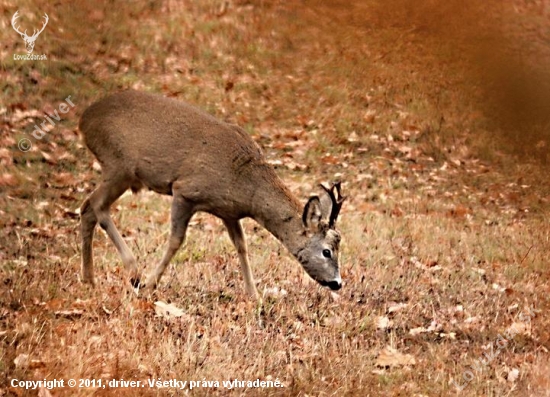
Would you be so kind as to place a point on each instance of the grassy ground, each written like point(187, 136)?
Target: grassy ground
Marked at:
point(445, 233)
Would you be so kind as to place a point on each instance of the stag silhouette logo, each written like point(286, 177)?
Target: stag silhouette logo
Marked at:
point(29, 40)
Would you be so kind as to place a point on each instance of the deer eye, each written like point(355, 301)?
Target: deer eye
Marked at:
point(327, 253)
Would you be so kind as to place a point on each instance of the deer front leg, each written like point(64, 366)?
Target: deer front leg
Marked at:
point(237, 237)
point(181, 213)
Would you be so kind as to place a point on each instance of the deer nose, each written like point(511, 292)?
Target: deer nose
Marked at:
point(334, 285)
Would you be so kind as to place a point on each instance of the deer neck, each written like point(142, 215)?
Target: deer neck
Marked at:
point(278, 210)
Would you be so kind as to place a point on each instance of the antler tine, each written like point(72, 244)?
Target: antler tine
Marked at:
point(338, 186)
point(14, 21)
point(336, 201)
point(339, 200)
point(43, 25)
point(15, 16)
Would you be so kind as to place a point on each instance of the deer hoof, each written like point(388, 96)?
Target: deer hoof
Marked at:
point(86, 279)
point(135, 282)
point(149, 285)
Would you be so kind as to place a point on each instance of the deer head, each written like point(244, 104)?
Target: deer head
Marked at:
point(29, 40)
point(319, 256)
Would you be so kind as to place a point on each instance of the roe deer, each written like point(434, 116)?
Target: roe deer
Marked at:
point(146, 140)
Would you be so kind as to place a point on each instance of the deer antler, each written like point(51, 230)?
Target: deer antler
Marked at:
point(35, 34)
point(24, 34)
point(16, 28)
point(337, 200)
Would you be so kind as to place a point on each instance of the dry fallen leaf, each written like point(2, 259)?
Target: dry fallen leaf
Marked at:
point(333, 321)
point(19, 115)
point(72, 313)
point(419, 330)
point(390, 357)
point(168, 310)
point(82, 304)
point(352, 138)
point(383, 322)
point(48, 158)
point(275, 292)
point(43, 392)
point(397, 307)
point(24, 361)
point(142, 306)
point(450, 335)
point(513, 375)
point(8, 180)
point(518, 328)
point(330, 159)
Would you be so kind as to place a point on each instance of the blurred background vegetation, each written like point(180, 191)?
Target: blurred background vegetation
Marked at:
point(466, 71)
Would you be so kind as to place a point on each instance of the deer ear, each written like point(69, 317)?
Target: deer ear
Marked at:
point(327, 205)
point(312, 214)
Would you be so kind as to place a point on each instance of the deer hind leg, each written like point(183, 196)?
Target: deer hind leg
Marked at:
point(96, 210)
point(237, 237)
point(88, 220)
point(181, 213)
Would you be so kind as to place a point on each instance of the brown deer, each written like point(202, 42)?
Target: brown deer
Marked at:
point(146, 140)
